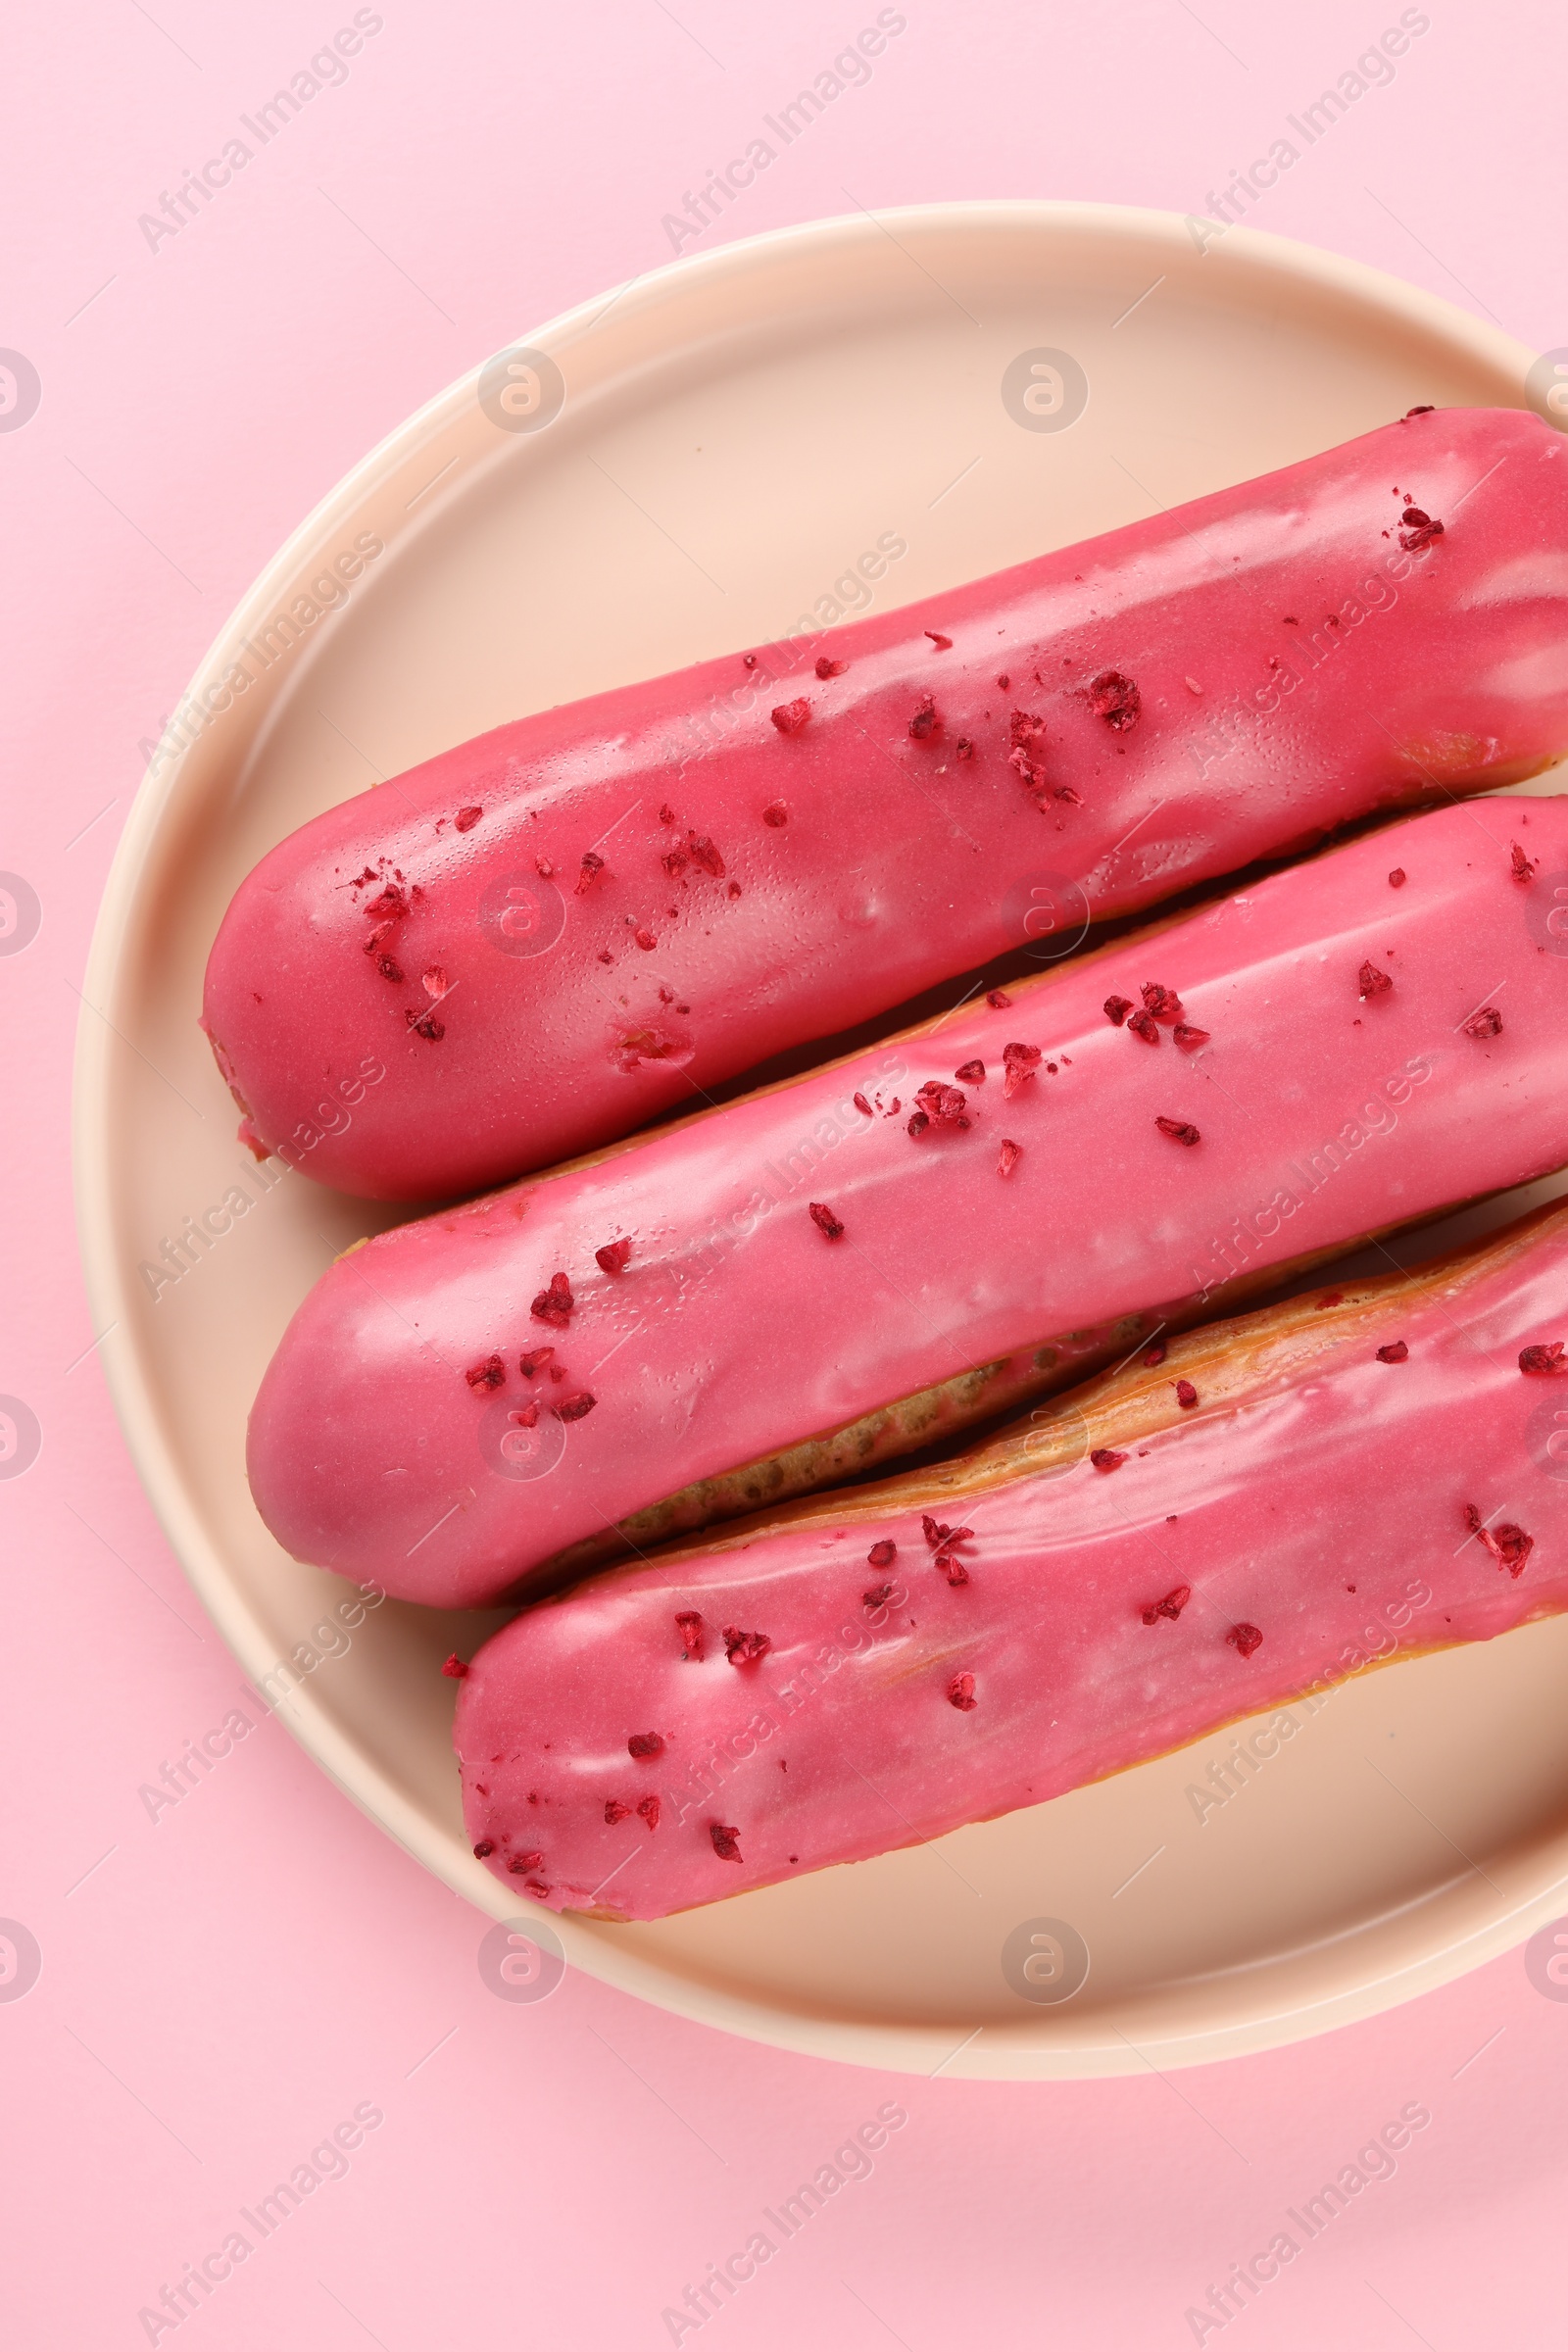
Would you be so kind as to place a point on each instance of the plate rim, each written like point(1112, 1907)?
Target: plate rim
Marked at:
point(899, 2047)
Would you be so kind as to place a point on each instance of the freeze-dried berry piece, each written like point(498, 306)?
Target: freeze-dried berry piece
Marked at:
point(674, 863)
point(1155, 1355)
point(690, 1627)
point(666, 814)
point(745, 1649)
point(1423, 407)
point(522, 1862)
point(925, 722)
point(1008, 1156)
point(1488, 1022)
point(791, 718)
point(972, 1074)
point(393, 903)
point(1508, 1545)
point(1172, 1606)
point(704, 855)
point(727, 1841)
point(963, 749)
point(776, 813)
point(645, 1744)
point(1548, 1357)
point(425, 1024)
point(1521, 866)
point(588, 874)
point(467, 818)
point(525, 1417)
point(534, 1361)
point(488, 1375)
point(1018, 1063)
point(883, 1554)
point(878, 1597)
point(1163, 1003)
point(1373, 983)
point(827, 667)
point(826, 1221)
point(1396, 1353)
point(613, 1255)
point(435, 982)
point(1188, 1038)
point(575, 1407)
point(554, 1305)
point(943, 1539)
point(648, 1811)
point(389, 969)
point(1180, 1131)
point(1186, 1395)
point(862, 1106)
point(1419, 530)
point(998, 999)
point(1105, 1458)
point(616, 1811)
point(1244, 1638)
point(943, 645)
point(455, 1667)
point(645, 937)
point(946, 1106)
point(919, 1121)
point(1330, 1298)
point(1396, 879)
point(485, 1848)
point(954, 1570)
point(961, 1693)
point(1143, 1024)
point(1117, 1008)
point(1115, 700)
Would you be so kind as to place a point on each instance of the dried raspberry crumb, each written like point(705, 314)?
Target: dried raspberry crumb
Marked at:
point(882, 1555)
point(878, 1597)
point(745, 1649)
point(525, 1417)
point(1548, 1357)
point(1106, 1458)
point(827, 667)
point(1188, 1038)
point(389, 969)
point(1004, 680)
point(826, 1221)
point(1180, 1131)
point(998, 999)
point(1521, 866)
point(674, 863)
point(1019, 1063)
point(1186, 1395)
point(1172, 1606)
point(1422, 409)
point(1330, 1298)
point(616, 1811)
point(467, 818)
point(734, 890)
point(644, 937)
point(1163, 1003)
point(1115, 700)
point(1008, 1156)
point(791, 718)
point(524, 1862)
point(593, 865)
point(435, 982)
point(1508, 1545)
point(488, 1375)
point(943, 1539)
point(1244, 1638)
point(1142, 1024)
point(1419, 529)
point(1488, 1022)
point(605, 956)
point(924, 722)
point(1117, 1008)
point(972, 1074)
point(393, 903)
point(425, 1024)
point(455, 1667)
point(666, 814)
point(556, 1305)
point(727, 1841)
point(961, 1693)
point(919, 1121)
point(557, 1371)
point(645, 1744)
point(1373, 983)
point(648, 1811)
point(613, 1255)
point(944, 645)
point(690, 1625)
point(535, 1358)
point(750, 660)
point(776, 813)
point(575, 1407)
point(1394, 1353)
point(1396, 879)
point(963, 749)
point(1155, 1355)
point(485, 1848)
point(705, 854)
point(954, 1570)
point(542, 867)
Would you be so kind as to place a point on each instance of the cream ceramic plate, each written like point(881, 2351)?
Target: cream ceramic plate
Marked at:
point(735, 432)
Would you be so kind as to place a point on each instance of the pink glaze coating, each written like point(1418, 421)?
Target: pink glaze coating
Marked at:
point(1329, 1508)
point(1298, 654)
point(738, 1325)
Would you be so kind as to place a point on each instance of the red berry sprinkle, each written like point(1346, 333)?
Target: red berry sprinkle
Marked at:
point(726, 1841)
point(1373, 983)
point(556, 1305)
point(593, 865)
point(455, 1667)
point(883, 1554)
point(389, 968)
point(1396, 879)
point(534, 1361)
point(971, 1073)
point(704, 855)
point(1155, 1355)
point(943, 645)
point(645, 1744)
point(963, 749)
point(862, 1106)
point(924, 722)
point(525, 1417)
point(878, 1597)
point(690, 1625)
point(1508, 1545)
point(776, 813)
point(1186, 1395)
point(1163, 1003)
point(674, 863)
point(425, 1024)
point(1115, 700)
point(1105, 1458)
point(791, 718)
point(1419, 530)
point(645, 937)
point(575, 1407)
point(1004, 680)
point(1329, 1298)
point(1179, 1130)
point(1019, 1063)
point(1548, 1357)
point(1008, 1156)
point(1488, 1022)
point(616, 1811)
point(648, 1811)
point(827, 667)
point(943, 1539)
point(1142, 1024)
point(484, 1849)
point(1244, 1638)
point(919, 1121)
point(1521, 866)
point(954, 1570)
point(666, 814)
point(1188, 1038)
point(524, 1862)
point(750, 660)
point(467, 818)
point(998, 999)
point(745, 1649)
point(826, 1221)
point(1394, 1353)
point(961, 1693)
point(1172, 1606)
point(1117, 1008)
point(613, 1255)
point(488, 1375)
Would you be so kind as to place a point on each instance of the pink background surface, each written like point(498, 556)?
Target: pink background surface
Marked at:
point(222, 1987)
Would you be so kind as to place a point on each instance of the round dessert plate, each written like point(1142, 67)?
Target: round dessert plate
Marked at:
point(706, 458)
